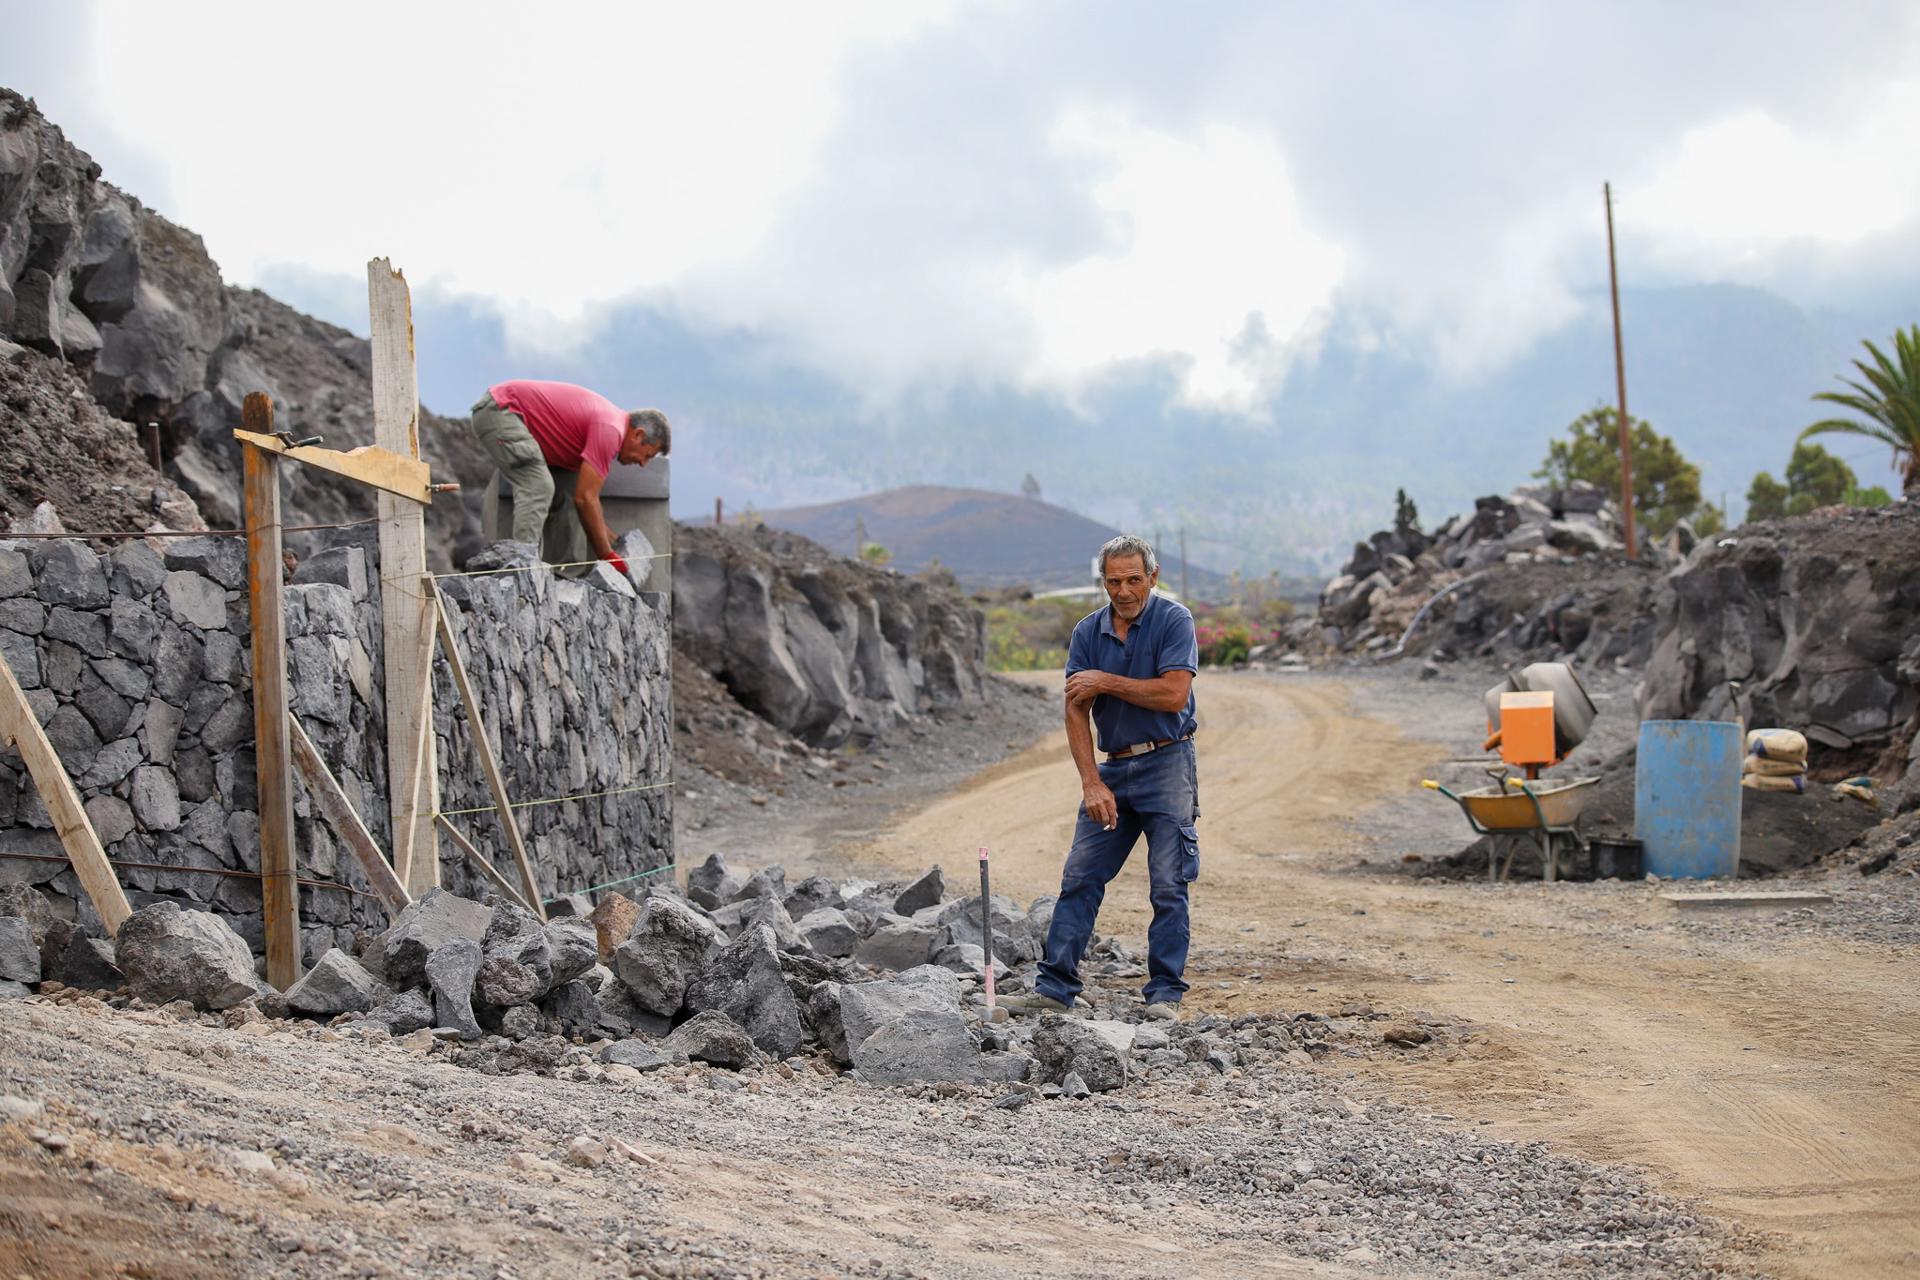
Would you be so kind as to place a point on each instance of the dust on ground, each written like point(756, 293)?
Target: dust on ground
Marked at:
point(1620, 1092)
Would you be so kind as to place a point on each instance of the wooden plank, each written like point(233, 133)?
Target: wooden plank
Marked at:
point(489, 763)
point(383, 469)
point(272, 751)
point(413, 785)
point(1748, 898)
point(20, 729)
point(485, 868)
point(406, 834)
point(332, 801)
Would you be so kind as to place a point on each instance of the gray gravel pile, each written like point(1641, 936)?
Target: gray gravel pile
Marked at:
point(386, 1161)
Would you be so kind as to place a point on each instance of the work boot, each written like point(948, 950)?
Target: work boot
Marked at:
point(1163, 1011)
point(1034, 1003)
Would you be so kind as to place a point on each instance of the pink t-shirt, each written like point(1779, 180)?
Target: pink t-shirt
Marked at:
point(572, 424)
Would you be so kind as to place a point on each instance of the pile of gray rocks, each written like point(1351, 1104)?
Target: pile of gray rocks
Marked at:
point(883, 981)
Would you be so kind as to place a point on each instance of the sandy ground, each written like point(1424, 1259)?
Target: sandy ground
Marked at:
point(1763, 1081)
point(1776, 1079)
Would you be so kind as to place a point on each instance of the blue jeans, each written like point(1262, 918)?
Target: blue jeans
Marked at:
point(1158, 794)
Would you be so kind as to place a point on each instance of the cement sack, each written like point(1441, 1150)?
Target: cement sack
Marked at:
point(1796, 783)
point(1777, 744)
point(1772, 768)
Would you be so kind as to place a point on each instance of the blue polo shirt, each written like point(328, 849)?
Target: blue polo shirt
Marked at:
point(1160, 640)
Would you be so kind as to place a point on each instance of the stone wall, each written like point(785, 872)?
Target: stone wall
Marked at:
point(137, 662)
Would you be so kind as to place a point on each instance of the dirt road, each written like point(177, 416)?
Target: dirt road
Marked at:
point(1777, 1079)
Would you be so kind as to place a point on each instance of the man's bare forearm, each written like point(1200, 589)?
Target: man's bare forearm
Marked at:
point(1167, 692)
point(1080, 740)
point(595, 523)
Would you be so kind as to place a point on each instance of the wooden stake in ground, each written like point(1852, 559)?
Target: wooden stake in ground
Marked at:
point(273, 753)
point(20, 729)
point(406, 612)
point(477, 729)
point(331, 800)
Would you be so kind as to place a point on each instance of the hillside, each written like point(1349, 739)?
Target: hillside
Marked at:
point(986, 539)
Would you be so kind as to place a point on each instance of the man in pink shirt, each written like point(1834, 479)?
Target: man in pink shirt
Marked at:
point(555, 442)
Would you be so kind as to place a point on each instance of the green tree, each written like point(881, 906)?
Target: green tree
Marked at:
point(1766, 498)
point(875, 554)
point(1666, 487)
point(1889, 400)
point(1815, 478)
point(1406, 516)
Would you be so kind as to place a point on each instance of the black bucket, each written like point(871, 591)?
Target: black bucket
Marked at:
point(1616, 859)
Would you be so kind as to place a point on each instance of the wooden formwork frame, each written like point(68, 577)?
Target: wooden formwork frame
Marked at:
point(413, 615)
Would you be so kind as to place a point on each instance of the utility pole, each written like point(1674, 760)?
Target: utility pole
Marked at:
point(1620, 381)
point(1184, 597)
point(717, 521)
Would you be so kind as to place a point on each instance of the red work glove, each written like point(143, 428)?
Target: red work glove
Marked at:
point(620, 564)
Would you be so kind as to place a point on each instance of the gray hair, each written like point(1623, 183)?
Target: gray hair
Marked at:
point(1128, 545)
point(653, 428)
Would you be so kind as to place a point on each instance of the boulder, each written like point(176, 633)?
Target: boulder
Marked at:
point(428, 923)
point(402, 1012)
point(710, 1037)
point(968, 958)
point(337, 983)
point(572, 906)
point(516, 936)
point(897, 943)
point(1013, 935)
point(766, 912)
point(745, 982)
point(450, 971)
point(168, 953)
point(825, 649)
point(1040, 917)
point(925, 892)
point(712, 885)
point(19, 954)
point(613, 919)
point(50, 930)
point(666, 950)
point(823, 1013)
point(919, 1045)
point(864, 1007)
point(505, 982)
point(86, 963)
point(811, 895)
point(521, 1022)
point(1063, 1044)
point(637, 1054)
point(573, 950)
point(829, 932)
point(767, 882)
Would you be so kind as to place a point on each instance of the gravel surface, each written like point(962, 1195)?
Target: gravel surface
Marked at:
point(384, 1159)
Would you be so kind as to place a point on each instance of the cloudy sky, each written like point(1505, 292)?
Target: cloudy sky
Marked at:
point(908, 197)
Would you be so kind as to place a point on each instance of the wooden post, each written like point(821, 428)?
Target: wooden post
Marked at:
point(1620, 383)
point(489, 765)
point(406, 612)
point(280, 895)
point(486, 868)
point(331, 800)
point(20, 729)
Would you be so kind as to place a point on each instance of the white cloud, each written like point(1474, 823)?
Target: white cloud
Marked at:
point(551, 159)
point(1742, 187)
point(1207, 261)
point(911, 197)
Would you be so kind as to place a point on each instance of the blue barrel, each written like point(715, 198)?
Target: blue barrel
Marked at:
point(1686, 798)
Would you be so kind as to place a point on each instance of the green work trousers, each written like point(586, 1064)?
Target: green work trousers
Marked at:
point(543, 511)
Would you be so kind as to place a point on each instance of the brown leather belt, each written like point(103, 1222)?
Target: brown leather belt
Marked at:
point(1142, 748)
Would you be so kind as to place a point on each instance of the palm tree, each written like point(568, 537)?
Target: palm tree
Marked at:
point(1889, 399)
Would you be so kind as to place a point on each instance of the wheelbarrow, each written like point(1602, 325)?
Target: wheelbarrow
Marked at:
point(1515, 807)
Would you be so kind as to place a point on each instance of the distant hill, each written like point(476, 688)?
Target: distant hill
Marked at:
point(987, 539)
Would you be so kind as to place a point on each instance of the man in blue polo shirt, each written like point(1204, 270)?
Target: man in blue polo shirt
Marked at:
point(1130, 667)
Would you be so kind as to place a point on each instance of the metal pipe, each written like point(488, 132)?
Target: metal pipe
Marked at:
point(1407, 635)
point(986, 926)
